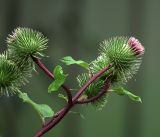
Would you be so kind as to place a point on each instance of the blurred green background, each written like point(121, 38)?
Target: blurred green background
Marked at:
point(75, 27)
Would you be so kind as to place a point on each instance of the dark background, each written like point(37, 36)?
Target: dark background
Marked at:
point(75, 27)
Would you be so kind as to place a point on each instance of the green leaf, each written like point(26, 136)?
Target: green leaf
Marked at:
point(122, 91)
point(63, 97)
point(68, 60)
point(59, 79)
point(43, 110)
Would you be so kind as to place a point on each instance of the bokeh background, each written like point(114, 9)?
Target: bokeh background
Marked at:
point(75, 27)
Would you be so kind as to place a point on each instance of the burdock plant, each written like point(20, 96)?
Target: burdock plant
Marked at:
point(119, 59)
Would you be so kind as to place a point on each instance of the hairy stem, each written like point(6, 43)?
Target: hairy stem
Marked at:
point(60, 114)
point(49, 74)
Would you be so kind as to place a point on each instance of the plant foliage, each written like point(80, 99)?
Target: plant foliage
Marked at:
point(123, 54)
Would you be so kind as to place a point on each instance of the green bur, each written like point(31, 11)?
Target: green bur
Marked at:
point(125, 63)
point(10, 78)
point(117, 52)
point(24, 43)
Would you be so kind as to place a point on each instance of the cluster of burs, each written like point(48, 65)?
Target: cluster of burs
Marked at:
point(16, 63)
point(123, 54)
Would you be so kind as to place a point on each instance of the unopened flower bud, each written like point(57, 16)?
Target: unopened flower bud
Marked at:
point(136, 46)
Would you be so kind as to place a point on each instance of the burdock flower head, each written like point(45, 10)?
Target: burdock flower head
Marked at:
point(10, 77)
point(24, 43)
point(123, 53)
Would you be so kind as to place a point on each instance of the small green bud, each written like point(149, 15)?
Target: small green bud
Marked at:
point(24, 43)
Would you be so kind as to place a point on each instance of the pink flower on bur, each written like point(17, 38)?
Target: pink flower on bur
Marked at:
point(136, 46)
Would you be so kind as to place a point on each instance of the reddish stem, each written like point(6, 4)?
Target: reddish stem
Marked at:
point(93, 78)
point(59, 115)
point(99, 95)
point(49, 74)
point(53, 121)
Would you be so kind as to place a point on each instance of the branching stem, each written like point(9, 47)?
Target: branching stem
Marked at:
point(93, 78)
point(49, 74)
point(72, 101)
point(99, 95)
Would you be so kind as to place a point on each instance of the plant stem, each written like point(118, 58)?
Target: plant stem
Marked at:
point(59, 115)
point(93, 78)
point(49, 74)
point(54, 121)
point(99, 95)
